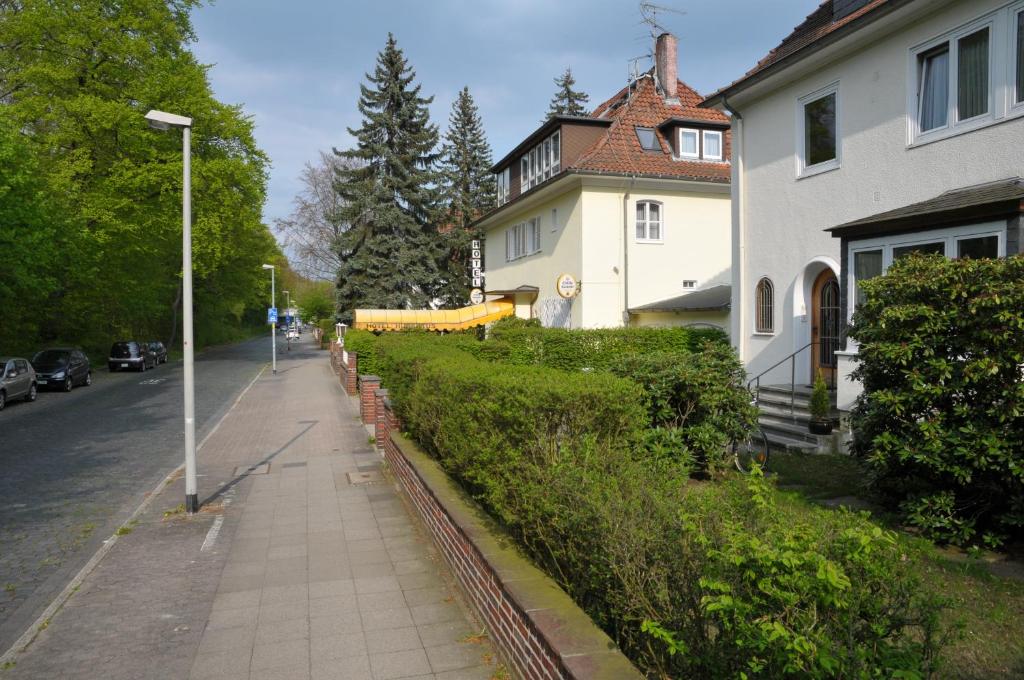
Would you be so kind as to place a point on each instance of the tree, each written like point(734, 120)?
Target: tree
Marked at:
point(468, 186)
point(567, 101)
point(389, 252)
point(76, 80)
point(313, 231)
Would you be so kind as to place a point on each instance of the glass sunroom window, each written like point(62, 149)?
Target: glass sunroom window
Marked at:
point(934, 93)
point(982, 246)
point(933, 248)
point(972, 75)
point(867, 264)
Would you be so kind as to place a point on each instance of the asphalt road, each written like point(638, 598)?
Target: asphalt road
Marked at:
point(73, 467)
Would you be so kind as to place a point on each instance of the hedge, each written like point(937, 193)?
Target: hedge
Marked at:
point(941, 418)
point(692, 579)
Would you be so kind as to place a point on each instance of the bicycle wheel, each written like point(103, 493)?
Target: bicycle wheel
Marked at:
point(751, 451)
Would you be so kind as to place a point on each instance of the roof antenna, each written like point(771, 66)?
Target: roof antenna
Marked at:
point(649, 15)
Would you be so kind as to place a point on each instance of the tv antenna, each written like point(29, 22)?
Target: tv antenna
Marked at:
point(649, 15)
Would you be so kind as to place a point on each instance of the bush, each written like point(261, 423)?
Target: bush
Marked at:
point(941, 419)
point(702, 395)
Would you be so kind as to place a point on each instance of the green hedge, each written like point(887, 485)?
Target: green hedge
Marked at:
point(941, 418)
point(709, 580)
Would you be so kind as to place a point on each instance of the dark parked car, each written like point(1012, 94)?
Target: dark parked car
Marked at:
point(62, 368)
point(17, 380)
point(130, 354)
point(158, 351)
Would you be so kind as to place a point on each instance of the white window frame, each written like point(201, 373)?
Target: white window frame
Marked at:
point(647, 221)
point(1002, 25)
point(949, 237)
point(541, 162)
point(696, 139)
point(802, 169)
point(721, 145)
point(522, 239)
point(502, 181)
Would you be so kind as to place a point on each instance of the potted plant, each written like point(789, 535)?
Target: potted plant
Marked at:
point(820, 407)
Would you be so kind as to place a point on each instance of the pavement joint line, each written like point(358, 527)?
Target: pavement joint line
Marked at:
point(22, 643)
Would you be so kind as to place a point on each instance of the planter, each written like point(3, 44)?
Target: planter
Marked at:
point(816, 426)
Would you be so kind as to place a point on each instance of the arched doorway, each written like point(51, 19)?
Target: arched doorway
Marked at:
point(825, 326)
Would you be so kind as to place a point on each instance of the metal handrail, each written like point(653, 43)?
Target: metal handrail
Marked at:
point(756, 380)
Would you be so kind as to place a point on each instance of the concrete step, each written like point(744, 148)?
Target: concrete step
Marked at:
point(778, 442)
point(780, 398)
point(787, 428)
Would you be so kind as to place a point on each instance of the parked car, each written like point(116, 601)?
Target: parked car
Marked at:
point(293, 333)
point(17, 380)
point(61, 368)
point(159, 352)
point(130, 354)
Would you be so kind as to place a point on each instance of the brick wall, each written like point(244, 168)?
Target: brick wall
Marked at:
point(368, 384)
point(348, 371)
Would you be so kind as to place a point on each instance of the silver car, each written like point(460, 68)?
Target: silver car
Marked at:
point(17, 380)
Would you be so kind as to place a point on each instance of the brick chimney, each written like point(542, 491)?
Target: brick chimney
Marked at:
point(665, 57)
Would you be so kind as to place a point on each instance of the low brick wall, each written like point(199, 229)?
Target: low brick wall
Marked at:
point(348, 371)
point(368, 385)
point(539, 629)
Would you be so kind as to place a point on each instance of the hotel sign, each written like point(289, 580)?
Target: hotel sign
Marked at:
point(476, 273)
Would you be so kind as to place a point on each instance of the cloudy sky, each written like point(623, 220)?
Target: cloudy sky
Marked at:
point(296, 66)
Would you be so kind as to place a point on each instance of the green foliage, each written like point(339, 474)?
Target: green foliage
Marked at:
point(941, 419)
point(389, 253)
point(701, 395)
point(76, 81)
point(820, 405)
point(316, 303)
point(567, 101)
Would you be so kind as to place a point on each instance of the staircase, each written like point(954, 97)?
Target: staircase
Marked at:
point(784, 417)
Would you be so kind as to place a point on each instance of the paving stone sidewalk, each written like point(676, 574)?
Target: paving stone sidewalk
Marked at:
point(291, 571)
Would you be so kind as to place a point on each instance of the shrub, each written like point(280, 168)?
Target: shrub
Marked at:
point(820, 405)
point(702, 394)
point(941, 419)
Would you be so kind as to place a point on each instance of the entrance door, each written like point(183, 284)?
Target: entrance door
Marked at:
point(825, 327)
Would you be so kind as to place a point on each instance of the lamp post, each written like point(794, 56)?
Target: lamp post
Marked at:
point(288, 319)
point(273, 326)
point(161, 120)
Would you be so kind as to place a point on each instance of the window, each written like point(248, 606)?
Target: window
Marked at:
point(648, 221)
point(764, 306)
point(688, 144)
point(819, 129)
point(867, 264)
point(648, 140)
point(502, 179)
point(712, 145)
point(972, 75)
point(1018, 89)
point(933, 106)
point(978, 247)
point(933, 248)
point(541, 162)
point(689, 284)
point(554, 220)
point(522, 239)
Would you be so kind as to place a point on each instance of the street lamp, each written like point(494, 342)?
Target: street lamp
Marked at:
point(161, 120)
point(273, 326)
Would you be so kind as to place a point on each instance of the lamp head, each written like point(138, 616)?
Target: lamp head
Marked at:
point(268, 266)
point(161, 120)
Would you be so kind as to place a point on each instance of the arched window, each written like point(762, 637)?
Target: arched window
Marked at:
point(648, 221)
point(764, 310)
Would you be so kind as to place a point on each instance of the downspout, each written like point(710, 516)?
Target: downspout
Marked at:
point(738, 312)
point(625, 250)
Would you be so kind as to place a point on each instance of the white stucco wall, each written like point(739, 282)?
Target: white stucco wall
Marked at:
point(662, 319)
point(783, 217)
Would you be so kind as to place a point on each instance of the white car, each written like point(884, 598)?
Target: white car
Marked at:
point(292, 333)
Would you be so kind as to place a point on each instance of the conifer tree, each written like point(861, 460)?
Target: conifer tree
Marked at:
point(390, 252)
point(567, 101)
point(468, 186)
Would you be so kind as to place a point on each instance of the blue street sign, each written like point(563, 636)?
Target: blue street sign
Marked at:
point(288, 318)
point(272, 315)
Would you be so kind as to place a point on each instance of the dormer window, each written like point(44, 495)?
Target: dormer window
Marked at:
point(648, 140)
point(541, 162)
point(502, 181)
point(704, 145)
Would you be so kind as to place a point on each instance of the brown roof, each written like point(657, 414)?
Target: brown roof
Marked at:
point(818, 26)
point(640, 104)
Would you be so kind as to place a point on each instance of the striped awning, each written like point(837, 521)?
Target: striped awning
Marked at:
point(433, 319)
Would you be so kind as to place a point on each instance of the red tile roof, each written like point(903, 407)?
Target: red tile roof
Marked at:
point(618, 150)
point(815, 27)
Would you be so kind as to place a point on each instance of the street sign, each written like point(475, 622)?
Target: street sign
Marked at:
point(476, 296)
point(288, 318)
point(271, 314)
point(567, 286)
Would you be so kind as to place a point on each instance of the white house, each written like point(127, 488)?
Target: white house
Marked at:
point(632, 201)
point(876, 128)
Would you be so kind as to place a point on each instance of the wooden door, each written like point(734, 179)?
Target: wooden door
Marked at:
point(825, 326)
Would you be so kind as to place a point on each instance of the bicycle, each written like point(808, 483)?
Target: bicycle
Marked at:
point(751, 450)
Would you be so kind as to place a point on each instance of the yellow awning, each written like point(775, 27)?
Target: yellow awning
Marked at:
point(433, 319)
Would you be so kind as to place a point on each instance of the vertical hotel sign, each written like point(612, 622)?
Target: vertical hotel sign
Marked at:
point(476, 264)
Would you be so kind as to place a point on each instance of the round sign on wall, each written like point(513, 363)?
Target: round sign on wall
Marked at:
point(567, 286)
point(476, 296)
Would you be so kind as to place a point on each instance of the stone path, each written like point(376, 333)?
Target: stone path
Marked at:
point(293, 571)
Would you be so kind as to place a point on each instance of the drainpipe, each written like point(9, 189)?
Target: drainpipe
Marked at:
point(738, 312)
point(625, 250)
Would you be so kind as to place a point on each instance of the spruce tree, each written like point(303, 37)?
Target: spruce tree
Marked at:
point(567, 101)
point(468, 186)
point(389, 255)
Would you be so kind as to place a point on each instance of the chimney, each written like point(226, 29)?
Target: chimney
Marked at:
point(665, 50)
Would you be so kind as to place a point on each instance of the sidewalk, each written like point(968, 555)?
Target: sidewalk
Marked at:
point(291, 570)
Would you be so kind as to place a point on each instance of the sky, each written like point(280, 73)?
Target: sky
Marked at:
point(296, 67)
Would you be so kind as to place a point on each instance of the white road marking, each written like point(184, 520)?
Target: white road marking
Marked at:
point(211, 535)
